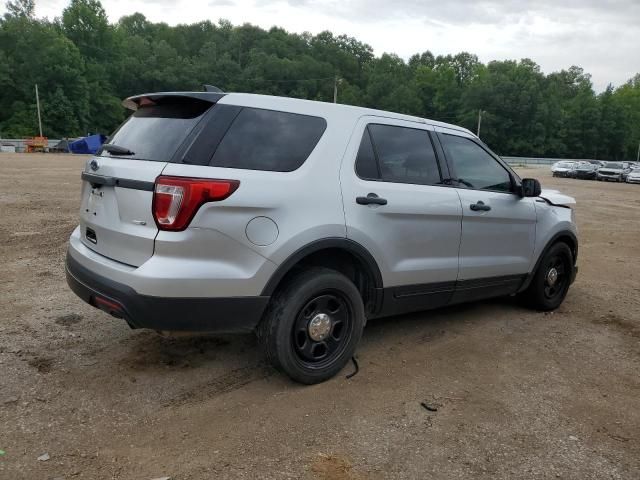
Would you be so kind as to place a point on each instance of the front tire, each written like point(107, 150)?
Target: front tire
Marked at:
point(313, 325)
point(551, 280)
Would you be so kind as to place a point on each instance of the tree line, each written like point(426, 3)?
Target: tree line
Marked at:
point(84, 67)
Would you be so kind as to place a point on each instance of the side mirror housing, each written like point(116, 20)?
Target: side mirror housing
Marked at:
point(531, 187)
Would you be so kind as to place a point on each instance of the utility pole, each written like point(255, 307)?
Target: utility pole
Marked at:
point(38, 106)
point(480, 112)
point(336, 81)
point(638, 156)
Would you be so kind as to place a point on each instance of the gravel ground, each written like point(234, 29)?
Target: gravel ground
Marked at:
point(518, 394)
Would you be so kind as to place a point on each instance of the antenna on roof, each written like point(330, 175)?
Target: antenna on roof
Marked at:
point(211, 88)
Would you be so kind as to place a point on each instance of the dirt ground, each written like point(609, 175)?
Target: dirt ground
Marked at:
point(519, 394)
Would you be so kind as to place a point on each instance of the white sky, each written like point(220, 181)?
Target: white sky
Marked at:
point(602, 36)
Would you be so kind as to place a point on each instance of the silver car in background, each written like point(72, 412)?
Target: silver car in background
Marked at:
point(634, 175)
point(563, 168)
point(611, 172)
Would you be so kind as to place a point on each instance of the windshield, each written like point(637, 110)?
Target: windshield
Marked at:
point(155, 131)
point(613, 165)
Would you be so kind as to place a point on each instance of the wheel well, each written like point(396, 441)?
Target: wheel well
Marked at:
point(571, 243)
point(346, 262)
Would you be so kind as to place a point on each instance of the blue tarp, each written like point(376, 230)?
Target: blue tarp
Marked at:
point(87, 144)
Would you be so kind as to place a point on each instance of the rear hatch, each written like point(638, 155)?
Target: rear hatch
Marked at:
point(116, 217)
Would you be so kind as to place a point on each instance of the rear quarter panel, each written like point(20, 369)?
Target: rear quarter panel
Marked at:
point(305, 204)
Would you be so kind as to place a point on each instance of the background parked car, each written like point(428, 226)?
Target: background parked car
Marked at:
point(634, 175)
point(563, 168)
point(628, 166)
point(584, 171)
point(612, 171)
point(597, 163)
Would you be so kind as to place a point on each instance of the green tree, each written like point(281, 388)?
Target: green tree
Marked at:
point(21, 8)
point(85, 66)
point(36, 52)
point(85, 23)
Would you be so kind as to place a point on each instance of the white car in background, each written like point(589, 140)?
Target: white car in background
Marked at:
point(563, 168)
point(634, 175)
point(611, 171)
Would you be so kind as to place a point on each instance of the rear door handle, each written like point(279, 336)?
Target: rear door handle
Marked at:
point(371, 199)
point(479, 207)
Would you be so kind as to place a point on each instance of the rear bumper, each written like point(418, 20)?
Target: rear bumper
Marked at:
point(216, 315)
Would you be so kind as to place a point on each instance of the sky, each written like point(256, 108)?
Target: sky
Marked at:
point(601, 36)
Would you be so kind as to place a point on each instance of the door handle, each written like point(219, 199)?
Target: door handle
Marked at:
point(371, 199)
point(479, 207)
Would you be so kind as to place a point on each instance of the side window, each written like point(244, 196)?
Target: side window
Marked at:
point(405, 155)
point(268, 140)
point(366, 164)
point(473, 166)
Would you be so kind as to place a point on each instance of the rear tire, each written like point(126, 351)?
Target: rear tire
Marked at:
point(551, 280)
point(312, 325)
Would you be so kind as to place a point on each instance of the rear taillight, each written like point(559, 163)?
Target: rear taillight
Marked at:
point(177, 199)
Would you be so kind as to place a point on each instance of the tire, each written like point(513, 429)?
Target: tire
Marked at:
point(306, 354)
point(542, 294)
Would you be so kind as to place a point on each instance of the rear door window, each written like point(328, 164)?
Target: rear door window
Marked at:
point(268, 140)
point(405, 155)
point(156, 131)
point(366, 163)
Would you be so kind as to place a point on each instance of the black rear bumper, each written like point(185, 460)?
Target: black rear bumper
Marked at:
point(216, 315)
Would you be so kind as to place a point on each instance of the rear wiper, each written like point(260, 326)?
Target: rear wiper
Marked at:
point(111, 148)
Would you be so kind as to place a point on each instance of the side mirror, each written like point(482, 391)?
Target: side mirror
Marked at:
point(531, 187)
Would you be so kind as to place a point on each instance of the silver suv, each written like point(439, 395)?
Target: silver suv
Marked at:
point(302, 220)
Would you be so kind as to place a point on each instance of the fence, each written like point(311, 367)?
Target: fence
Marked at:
point(539, 161)
point(20, 144)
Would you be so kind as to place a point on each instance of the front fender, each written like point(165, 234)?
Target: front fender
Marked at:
point(553, 224)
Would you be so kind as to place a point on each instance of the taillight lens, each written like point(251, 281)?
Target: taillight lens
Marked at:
point(177, 199)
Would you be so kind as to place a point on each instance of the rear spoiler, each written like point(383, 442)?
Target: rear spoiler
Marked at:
point(133, 103)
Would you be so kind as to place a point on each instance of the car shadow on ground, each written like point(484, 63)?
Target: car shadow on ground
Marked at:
point(232, 361)
point(431, 322)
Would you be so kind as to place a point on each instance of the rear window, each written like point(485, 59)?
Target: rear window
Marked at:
point(155, 131)
point(268, 140)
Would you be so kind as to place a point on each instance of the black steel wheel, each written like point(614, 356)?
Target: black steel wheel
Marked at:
point(322, 329)
point(552, 279)
point(556, 277)
point(312, 325)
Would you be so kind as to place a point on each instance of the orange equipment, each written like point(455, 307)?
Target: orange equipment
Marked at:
point(37, 144)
